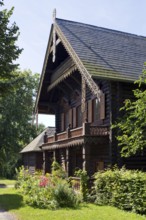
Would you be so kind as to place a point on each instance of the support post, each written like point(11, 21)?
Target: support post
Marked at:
point(44, 162)
point(54, 155)
point(67, 161)
point(86, 158)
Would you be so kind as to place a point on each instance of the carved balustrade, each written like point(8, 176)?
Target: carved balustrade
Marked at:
point(86, 130)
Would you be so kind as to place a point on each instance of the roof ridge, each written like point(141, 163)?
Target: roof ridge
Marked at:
point(103, 28)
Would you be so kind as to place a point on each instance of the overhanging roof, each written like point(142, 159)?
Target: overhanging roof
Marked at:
point(99, 53)
point(106, 53)
point(34, 145)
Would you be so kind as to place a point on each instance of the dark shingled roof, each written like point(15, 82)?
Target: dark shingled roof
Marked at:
point(34, 146)
point(106, 53)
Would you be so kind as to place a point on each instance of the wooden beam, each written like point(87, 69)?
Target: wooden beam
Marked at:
point(63, 90)
point(67, 84)
point(57, 42)
point(77, 81)
point(46, 104)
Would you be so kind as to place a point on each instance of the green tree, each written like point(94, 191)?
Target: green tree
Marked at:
point(132, 126)
point(16, 129)
point(9, 51)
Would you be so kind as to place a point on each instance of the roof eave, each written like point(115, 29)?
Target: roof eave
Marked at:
point(43, 70)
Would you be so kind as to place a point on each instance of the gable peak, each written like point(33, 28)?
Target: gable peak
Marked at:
point(54, 15)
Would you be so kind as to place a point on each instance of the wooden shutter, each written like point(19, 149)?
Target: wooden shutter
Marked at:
point(74, 118)
point(70, 118)
point(90, 111)
point(102, 106)
point(62, 122)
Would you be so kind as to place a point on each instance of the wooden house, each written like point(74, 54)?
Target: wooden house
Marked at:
point(32, 155)
point(87, 74)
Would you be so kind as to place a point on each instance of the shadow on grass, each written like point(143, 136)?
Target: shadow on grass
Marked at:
point(11, 201)
point(3, 185)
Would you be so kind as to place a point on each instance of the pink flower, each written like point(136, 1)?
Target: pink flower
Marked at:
point(43, 181)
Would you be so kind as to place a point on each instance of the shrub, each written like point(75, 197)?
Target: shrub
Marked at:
point(122, 188)
point(64, 195)
point(57, 171)
point(83, 183)
point(46, 191)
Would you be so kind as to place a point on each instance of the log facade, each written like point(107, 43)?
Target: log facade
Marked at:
point(84, 83)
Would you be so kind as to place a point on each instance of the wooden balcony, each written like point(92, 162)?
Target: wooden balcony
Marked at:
point(85, 130)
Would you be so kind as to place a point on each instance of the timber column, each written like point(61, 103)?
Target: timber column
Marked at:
point(44, 162)
point(67, 161)
point(54, 155)
point(86, 158)
point(47, 161)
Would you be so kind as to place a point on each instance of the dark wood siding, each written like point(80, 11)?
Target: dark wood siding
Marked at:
point(29, 160)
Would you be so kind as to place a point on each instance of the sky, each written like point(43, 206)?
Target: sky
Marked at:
point(34, 19)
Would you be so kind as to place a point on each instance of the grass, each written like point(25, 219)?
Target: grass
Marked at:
point(7, 182)
point(12, 201)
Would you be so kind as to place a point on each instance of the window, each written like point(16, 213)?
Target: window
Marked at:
point(96, 109)
point(93, 110)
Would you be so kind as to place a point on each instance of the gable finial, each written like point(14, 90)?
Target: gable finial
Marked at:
point(54, 14)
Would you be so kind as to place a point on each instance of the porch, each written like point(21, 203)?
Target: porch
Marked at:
point(84, 148)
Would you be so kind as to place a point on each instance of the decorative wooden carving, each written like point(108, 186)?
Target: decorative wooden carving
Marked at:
point(54, 15)
point(87, 77)
point(54, 37)
point(99, 131)
point(83, 105)
point(54, 45)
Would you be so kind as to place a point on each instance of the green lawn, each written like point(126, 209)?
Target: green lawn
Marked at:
point(12, 201)
point(7, 181)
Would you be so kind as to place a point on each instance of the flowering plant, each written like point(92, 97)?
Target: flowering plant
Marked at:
point(43, 181)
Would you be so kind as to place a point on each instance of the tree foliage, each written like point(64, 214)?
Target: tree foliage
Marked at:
point(9, 51)
point(132, 126)
point(16, 129)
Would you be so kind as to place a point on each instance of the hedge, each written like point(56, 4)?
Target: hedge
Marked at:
point(125, 189)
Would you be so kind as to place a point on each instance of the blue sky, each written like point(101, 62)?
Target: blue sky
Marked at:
point(34, 19)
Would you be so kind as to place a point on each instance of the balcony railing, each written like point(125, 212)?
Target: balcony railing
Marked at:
point(85, 130)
